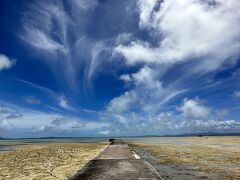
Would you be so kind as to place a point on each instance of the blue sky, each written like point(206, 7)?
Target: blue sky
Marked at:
point(107, 68)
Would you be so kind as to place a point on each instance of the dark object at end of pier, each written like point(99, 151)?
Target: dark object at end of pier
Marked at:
point(111, 140)
point(116, 141)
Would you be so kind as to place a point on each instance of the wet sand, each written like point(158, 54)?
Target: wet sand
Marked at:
point(46, 161)
point(196, 158)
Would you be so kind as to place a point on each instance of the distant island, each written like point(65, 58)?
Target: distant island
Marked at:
point(203, 134)
point(200, 134)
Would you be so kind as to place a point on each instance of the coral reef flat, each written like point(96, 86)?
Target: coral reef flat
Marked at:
point(46, 160)
point(192, 157)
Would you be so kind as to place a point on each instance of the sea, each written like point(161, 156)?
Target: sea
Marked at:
point(9, 144)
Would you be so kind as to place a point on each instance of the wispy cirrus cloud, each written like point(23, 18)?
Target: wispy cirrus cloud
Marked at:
point(85, 4)
point(57, 102)
point(63, 103)
point(32, 100)
point(63, 35)
point(59, 31)
point(236, 94)
point(55, 31)
point(49, 15)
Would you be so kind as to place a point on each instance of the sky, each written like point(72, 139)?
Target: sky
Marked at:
point(119, 68)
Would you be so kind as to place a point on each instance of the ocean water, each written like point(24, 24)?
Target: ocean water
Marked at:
point(9, 144)
point(222, 142)
point(159, 140)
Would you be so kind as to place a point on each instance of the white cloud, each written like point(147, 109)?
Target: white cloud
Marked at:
point(85, 4)
point(125, 78)
point(122, 103)
point(186, 30)
point(94, 64)
point(161, 122)
point(59, 123)
point(26, 122)
point(193, 109)
point(147, 93)
point(138, 52)
point(5, 126)
point(41, 40)
point(236, 94)
point(167, 123)
point(188, 36)
point(106, 132)
point(64, 124)
point(30, 119)
point(209, 125)
point(183, 30)
point(63, 102)
point(139, 107)
point(5, 62)
point(146, 11)
point(194, 117)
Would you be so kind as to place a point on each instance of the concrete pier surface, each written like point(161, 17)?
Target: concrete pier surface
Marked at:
point(117, 162)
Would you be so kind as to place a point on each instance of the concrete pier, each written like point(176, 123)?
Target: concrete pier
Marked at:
point(117, 162)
